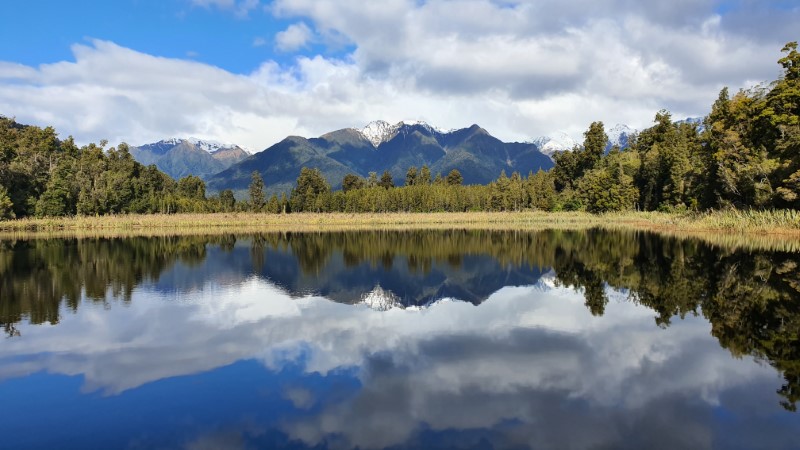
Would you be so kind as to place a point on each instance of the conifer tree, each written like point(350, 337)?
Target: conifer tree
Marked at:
point(386, 180)
point(256, 191)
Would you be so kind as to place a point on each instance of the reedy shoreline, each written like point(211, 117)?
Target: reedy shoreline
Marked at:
point(772, 222)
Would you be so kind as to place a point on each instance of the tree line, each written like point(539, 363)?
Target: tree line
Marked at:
point(745, 155)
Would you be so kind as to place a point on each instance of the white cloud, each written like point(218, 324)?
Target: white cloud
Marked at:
point(518, 69)
point(259, 42)
point(293, 38)
point(453, 366)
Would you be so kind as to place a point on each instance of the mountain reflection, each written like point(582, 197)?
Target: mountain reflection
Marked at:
point(751, 298)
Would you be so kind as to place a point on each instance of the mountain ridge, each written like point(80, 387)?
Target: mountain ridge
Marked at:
point(179, 157)
point(473, 151)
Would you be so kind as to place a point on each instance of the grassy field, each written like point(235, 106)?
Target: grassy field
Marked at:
point(775, 230)
point(758, 222)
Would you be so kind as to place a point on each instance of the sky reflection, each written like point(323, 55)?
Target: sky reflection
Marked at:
point(528, 367)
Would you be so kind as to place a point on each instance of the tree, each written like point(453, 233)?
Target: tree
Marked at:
point(454, 178)
point(386, 180)
point(372, 180)
point(411, 176)
point(780, 116)
point(424, 176)
point(594, 146)
point(227, 200)
point(192, 187)
point(541, 190)
point(351, 182)
point(310, 187)
point(6, 207)
point(256, 190)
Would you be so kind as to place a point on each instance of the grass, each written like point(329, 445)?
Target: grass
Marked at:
point(775, 230)
point(761, 222)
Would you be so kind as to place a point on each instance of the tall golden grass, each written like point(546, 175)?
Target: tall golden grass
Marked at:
point(766, 230)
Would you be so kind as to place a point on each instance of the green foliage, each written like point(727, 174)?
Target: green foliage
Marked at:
point(6, 207)
point(386, 180)
point(227, 201)
point(256, 191)
point(311, 192)
point(454, 178)
point(411, 176)
point(424, 175)
point(352, 181)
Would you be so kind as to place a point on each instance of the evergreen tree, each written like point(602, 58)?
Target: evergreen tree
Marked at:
point(192, 187)
point(424, 177)
point(541, 191)
point(594, 146)
point(411, 176)
point(6, 207)
point(386, 180)
point(310, 188)
point(227, 200)
point(352, 181)
point(256, 190)
point(454, 178)
point(781, 116)
point(372, 180)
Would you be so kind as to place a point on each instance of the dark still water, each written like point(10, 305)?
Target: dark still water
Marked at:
point(447, 339)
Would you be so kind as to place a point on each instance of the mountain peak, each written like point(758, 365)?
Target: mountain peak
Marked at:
point(618, 135)
point(557, 142)
point(206, 145)
point(380, 131)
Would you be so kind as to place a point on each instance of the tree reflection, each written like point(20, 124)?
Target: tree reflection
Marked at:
point(750, 297)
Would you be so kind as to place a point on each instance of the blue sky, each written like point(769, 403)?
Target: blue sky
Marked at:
point(44, 30)
point(255, 71)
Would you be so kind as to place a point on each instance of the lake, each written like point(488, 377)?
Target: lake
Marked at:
point(386, 339)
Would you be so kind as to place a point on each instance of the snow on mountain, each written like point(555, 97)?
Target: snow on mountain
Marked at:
point(379, 299)
point(380, 131)
point(619, 134)
point(207, 145)
point(559, 142)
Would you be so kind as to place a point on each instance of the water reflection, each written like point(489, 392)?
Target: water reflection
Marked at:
point(562, 350)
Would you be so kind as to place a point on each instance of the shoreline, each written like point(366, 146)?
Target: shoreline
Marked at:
point(775, 222)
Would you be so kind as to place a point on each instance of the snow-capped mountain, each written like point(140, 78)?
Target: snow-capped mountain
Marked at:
point(619, 135)
point(383, 147)
point(380, 131)
point(558, 142)
point(179, 157)
point(380, 299)
point(209, 146)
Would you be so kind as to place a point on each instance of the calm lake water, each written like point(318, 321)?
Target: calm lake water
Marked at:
point(451, 339)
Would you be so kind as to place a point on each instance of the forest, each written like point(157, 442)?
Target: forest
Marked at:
point(745, 155)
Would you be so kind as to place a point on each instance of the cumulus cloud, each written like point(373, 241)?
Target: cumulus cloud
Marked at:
point(519, 69)
point(293, 38)
point(533, 355)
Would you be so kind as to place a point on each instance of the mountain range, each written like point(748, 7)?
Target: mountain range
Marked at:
point(560, 142)
point(180, 157)
point(379, 146)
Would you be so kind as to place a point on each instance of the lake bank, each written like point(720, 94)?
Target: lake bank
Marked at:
point(760, 222)
point(761, 229)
